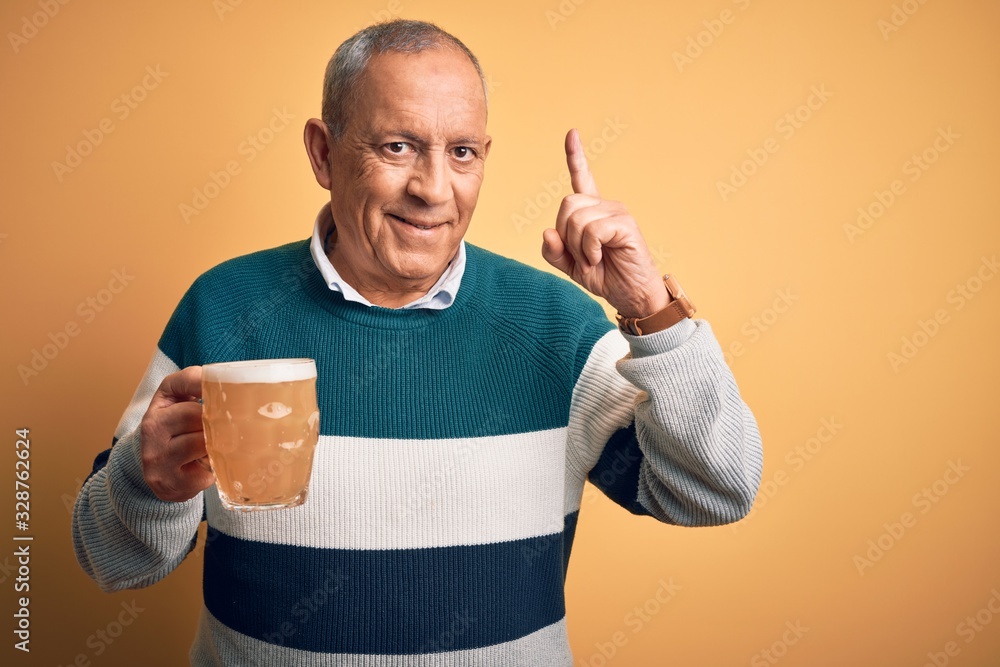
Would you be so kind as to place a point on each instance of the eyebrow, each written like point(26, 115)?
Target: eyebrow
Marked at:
point(469, 140)
point(409, 136)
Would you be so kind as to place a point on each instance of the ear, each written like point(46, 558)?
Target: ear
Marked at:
point(317, 140)
point(486, 146)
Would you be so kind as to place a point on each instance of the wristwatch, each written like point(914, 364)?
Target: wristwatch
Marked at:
point(679, 307)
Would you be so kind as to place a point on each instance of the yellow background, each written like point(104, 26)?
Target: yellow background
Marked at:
point(680, 128)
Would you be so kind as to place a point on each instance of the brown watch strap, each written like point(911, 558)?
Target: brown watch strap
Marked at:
point(679, 308)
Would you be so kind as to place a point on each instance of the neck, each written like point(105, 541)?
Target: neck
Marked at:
point(376, 292)
point(386, 296)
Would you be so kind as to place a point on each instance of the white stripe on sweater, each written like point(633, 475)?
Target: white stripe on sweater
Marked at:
point(160, 366)
point(375, 493)
point(602, 403)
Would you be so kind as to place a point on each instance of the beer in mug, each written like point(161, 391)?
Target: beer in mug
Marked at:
point(261, 427)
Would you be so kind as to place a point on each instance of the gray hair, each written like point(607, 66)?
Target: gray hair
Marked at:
point(346, 68)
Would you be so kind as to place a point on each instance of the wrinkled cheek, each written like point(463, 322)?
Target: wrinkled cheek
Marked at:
point(467, 195)
point(376, 234)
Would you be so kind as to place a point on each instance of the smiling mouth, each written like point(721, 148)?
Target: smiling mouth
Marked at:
point(418, 225)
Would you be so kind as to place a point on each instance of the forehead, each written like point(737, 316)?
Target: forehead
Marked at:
point(435, 89)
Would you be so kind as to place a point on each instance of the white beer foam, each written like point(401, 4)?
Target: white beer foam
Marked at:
point(260, 370)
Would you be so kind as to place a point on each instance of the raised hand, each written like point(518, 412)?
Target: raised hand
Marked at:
point(598, 244)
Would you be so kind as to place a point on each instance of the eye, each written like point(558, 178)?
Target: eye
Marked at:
point(464, 153)
point(397, 147)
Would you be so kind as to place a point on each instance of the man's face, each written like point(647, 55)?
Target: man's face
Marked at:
point(406, 173)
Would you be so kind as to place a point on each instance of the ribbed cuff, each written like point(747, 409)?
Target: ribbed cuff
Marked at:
point(661, 341)
point(135, 502)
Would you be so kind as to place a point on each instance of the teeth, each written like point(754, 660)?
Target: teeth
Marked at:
point(413, 225)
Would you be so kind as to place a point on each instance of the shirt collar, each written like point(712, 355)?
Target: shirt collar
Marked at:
point(438, 297)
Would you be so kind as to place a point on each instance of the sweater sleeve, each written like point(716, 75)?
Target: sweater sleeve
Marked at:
point(123, 535)
point(668, 434)
point(702, 454)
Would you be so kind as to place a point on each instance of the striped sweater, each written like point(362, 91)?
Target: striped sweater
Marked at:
point(449, 472)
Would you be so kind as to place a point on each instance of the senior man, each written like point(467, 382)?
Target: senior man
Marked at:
point(465, 398)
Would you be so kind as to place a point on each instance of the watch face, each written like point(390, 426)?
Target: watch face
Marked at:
point(676, 293)
point(673, 287)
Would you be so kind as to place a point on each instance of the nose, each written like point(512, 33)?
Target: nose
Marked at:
point(430, 180)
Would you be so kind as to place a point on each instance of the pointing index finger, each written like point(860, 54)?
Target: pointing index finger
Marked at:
point(579, 170)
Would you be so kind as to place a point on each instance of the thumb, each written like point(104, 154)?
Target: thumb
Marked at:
point(554, 251)
point(184, 385)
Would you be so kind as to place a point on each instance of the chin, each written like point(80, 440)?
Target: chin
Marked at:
point(427, 271)
point(427, 261)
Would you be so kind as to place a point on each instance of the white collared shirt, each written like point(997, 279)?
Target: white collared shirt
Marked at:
point(438, 297)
